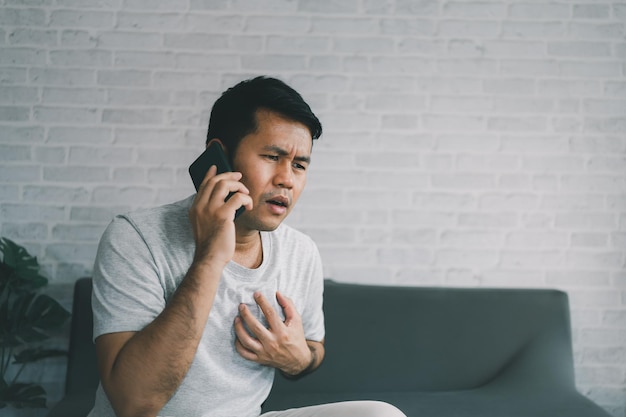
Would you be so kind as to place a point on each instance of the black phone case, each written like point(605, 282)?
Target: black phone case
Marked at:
point(213, 155)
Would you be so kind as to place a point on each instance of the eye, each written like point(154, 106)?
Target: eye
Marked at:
point(299, 166)
point(271, 157)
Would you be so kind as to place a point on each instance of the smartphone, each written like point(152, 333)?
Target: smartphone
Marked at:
point(212, 155)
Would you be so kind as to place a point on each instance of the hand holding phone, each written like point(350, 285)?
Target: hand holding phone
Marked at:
point(212, 155)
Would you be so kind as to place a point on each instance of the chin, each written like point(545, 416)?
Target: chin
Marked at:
point(252, 222)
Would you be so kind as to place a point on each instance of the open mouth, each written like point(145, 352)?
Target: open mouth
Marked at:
point(277, 203)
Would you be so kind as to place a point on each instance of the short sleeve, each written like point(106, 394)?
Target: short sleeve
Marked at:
point(127, 292)
point(313, 314)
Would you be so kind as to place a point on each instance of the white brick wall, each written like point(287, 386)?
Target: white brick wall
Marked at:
point(467, 143)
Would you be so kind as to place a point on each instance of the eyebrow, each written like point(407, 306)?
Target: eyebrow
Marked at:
point(281, 152)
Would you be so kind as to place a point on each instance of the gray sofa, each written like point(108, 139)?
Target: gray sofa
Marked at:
point(432, 352)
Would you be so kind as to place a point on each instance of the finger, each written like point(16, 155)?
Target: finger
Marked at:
point(209, 174)
point(246, 341)
point(289, 308)
point(239, 200)
point(254, 325)
point(273, 319)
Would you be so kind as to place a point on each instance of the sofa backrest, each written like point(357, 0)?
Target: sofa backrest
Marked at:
point(386, 339)
point(82, 370)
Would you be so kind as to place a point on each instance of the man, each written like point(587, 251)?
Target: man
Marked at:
point(194, 309)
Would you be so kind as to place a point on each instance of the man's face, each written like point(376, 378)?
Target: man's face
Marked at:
point(274, 162)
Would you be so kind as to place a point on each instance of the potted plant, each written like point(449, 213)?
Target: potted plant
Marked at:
point(26, 317)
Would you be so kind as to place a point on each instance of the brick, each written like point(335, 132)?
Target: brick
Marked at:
point(135, 97)
point(593, 260)
point(468, 29)
point(77, 174)
point(77, 232)
point(298, 44)
point(517, 124)
point(457, 258)
point(129, 40)
point(137, 195)
point(65, 114)
point(456, 86)
point(589, 240)
point(474, 239)
point(124, 78)
point(73, 95)
point(25, 231)
point(34, 213)
point(81, 58)
point(597, 183)
point(578, 278)
point(474, 10)
point(530, 258)
point(334, 235)
point(517, 49)
point(466, 67)
point(196, 41)
point(22, 17)
point(590, 69)
point(15, 134)
point(95, 213)
point(33, 37)
point(62, 77)
point(407, 27)
point(591, 11)
point(579, 49)
point(330, 7)
point(271, 25)
point(454, 123)
point(72, 251)
point(78, 38)
point(208, 4)
point(14, 113)
point(100, 156)
point(22, 56)
point(80, 135)
point(466, 104)
point(77, 19)
point(533, 30)
point(132, 116)
point(141, 59)
point(614, 164)
point(18, 95)
point(50, 155)
point(185, 80)
point(14, 153)
point(90, 4)
point(155, 4)
point(539, 11)
point(209, 62)
point(12, 75)
point(201, 23)
point(422, 47)
point(280, 6)
point(417, 8)
point(534, 143)
point(363, 45)
point(55, 194)
point(487, 220)
point(590, 31)
point(144, 20)
point(552, 164)
point(352, 26)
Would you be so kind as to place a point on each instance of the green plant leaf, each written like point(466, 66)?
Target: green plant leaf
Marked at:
point(32, 355)
point(21, 395)
point(28, 318)
point(21, 270)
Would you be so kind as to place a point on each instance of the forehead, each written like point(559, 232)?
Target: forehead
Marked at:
point(275, 130)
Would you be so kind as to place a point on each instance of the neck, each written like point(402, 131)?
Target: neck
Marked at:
point(248, 248)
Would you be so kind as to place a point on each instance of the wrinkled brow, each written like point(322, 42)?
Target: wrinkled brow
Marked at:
point(282, 152)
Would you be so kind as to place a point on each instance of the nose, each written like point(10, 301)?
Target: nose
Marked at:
point(284, 175)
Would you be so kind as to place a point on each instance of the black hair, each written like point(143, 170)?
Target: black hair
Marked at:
point(233, 115)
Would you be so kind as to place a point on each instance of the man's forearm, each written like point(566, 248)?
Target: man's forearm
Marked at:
point(151, 364)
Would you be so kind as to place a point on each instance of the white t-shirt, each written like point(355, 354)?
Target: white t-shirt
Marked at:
point(144, 255)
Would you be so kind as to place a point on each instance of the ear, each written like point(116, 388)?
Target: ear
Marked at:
point(220, 143)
